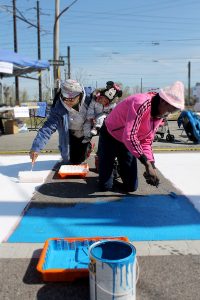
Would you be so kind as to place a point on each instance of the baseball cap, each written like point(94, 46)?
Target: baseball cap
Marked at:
point(71, 88)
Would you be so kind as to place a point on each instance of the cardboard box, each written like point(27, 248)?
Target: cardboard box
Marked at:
point(11, 127)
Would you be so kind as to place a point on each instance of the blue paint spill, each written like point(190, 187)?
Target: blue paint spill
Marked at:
point(152, 217)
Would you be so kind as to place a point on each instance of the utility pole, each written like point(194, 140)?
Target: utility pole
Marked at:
point(141, 85)
point(39, 52)
point(189, 80)
point(56, 45)
point(67, 70)
point(68, 62)
point(15, 49)
point(56, 40)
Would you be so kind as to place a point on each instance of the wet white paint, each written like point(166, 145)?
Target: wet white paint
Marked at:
point(183, 170)
point(14, 195)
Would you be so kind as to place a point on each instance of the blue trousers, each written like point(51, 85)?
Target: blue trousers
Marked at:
point(108, 150)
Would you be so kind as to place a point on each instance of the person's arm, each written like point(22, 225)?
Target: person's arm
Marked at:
point(131, 141)
point(91, 110)
point(44, 134)
point(132, 127)
point(150, 173)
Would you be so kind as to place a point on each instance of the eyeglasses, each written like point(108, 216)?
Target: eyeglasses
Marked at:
point(69, 99)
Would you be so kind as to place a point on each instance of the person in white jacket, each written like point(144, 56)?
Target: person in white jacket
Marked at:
point(100, 106)
point(66, 116)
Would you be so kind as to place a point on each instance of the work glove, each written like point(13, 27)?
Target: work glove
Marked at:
point(150, 175)
point(151, 179)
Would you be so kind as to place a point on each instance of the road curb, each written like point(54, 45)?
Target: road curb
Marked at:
point(176, 149)
point(27, 152)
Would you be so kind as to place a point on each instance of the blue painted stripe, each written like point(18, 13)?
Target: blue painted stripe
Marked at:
point(140, 218)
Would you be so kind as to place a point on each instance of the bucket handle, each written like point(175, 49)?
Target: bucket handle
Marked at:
point(137, 271)
point(122, 294)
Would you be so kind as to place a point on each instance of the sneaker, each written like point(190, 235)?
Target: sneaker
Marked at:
point(94, 131)
point(86, 140)
point(98, 127)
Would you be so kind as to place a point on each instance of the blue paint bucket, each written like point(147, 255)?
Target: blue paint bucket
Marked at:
point(112, 270)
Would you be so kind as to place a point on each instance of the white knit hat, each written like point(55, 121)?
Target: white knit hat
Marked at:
point(70, 88)
point(174, 94)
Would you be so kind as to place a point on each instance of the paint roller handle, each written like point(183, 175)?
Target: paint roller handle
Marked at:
point(33, 156)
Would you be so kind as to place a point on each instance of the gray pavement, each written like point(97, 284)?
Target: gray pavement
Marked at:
point(168, 269)
point(21, 142)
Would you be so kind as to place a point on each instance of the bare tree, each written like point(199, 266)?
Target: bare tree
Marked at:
point(81, 76)
point(8, 97)
point(136, 89)
point(24, 95)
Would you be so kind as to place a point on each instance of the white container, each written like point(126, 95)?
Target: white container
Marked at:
point(112, 270)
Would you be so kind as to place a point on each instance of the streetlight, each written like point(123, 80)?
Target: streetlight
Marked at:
point(56, 40)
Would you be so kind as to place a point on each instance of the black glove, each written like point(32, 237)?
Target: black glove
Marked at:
point(152, 180)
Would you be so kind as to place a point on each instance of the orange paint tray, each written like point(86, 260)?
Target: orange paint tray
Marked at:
point(67, 259)
point(73, 170)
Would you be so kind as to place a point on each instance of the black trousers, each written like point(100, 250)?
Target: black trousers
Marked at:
point(78, 151)
point(1, 126)
point(109, 149)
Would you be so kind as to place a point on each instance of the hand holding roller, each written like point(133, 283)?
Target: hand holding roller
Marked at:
point(29, 176)
point(33, 156)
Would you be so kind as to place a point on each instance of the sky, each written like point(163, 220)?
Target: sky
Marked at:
point(127, 41)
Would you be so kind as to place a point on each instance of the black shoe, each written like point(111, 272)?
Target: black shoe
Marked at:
point(120, 187)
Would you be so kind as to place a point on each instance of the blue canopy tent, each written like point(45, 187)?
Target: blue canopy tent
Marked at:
point(21, 65)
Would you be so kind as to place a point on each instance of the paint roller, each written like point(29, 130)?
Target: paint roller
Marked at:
point(170, 194)
point(30, 176)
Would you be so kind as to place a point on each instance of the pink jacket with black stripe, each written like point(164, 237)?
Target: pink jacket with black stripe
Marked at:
point(131, 123)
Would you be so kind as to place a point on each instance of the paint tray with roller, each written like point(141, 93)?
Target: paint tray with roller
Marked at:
point(73, 170)
point(67, 259)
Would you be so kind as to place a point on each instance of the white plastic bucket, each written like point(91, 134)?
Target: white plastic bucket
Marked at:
point(112, 270)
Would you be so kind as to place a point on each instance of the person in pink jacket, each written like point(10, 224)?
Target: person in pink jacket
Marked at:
point(128, 133)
